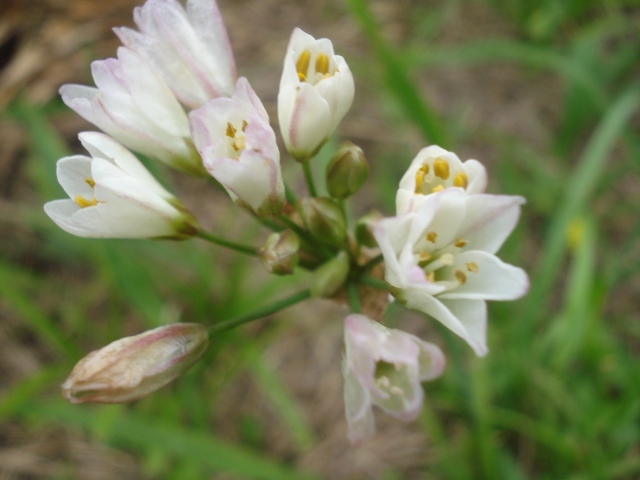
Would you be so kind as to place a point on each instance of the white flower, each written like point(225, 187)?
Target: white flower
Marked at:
point(134, 105)
point(433, 170)
point(239, 149)
point(316, 91)
point(384, 367)
point(439, 259)
point(112, 195)
point(133, 367)
point(189, 48)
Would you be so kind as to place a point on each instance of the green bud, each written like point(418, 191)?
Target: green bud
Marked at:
point(279, 254)
point(365, 226)
point(324, 219)
point(347, 171)
point(330, 276)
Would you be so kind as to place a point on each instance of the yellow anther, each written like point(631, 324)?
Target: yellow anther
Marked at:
point(460, 276)
point(460, 180)
point(437, 188)
point(441, 168)
point(83, 202)
point(431, 237)
point(231, 131)
point(446, 259)
point(90, 182)
point(430, 276)
point(459, 243)
point(322, 64)
point(422, 171)
point(302, 65)
point(473, 267)
point(244, 125)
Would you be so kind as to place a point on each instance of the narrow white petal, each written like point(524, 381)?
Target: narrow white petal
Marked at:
point(489, 220)
point(73, 173)
point(494, 280)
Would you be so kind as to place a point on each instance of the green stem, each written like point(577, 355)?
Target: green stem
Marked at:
point(354, 298)
point(261, 312)
point(308, 176)
point(209, 237)
point(374, 282)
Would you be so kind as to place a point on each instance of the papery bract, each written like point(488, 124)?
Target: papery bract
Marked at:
point(316, 91)
point(440, 259)
point(189, 47)
point(133, 367)
point(134, 105)
point(238, 148)
point(433, 170)
point(384, 367)
point(112, 195)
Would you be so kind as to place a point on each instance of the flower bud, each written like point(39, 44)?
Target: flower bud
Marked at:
point(324, 219)
point(347, 171)
point(330, 276)
point(133, 367)
point(279, 254)
point(365, 226)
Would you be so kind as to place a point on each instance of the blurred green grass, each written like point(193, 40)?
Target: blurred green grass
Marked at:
point(559, 394)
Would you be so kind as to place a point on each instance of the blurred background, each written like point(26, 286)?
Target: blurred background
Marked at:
point(544, 93)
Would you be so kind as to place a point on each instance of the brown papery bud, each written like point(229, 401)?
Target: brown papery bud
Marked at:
point(279, 254)
point(133, 367)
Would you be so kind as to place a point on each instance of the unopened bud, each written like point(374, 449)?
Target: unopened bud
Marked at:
point(347, 171)
point(365, 226)
point(133, 367)
point(330, 276)
point(279, 254)
point(324, 219)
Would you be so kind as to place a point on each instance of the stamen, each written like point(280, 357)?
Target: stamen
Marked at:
point(322, 64)
point(460, 276)
point(446, 259)
point(441, 168)
point(460, 243)
point(461, 180)
point(431, 237)
point(231, 131)
point(420, 174)
point(244, 125)
point(423, 258)
point(395, 390)
point(473, 267)
point(90, 182)
point(383, 381)
point(437, 188)
point(83, 202)
point(430, 276)
point(302, 65)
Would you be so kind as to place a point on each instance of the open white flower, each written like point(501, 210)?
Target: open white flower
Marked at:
point(190, 48)
point(134, 105)
point(440, 259)
point(384, 367)
point(112, 195)
point(433, 170)
point(316, 91)
point(239, 149)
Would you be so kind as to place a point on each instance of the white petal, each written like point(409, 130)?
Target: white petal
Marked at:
point(73, 173)
point(360, 420)
point(103, 146)
point(61, 212)
point(477, 176)
point(465, 318)
point(495, 280)
point(489, 220)
point(431, 361)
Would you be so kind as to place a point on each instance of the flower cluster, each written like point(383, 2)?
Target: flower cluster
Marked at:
point(172, 95)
